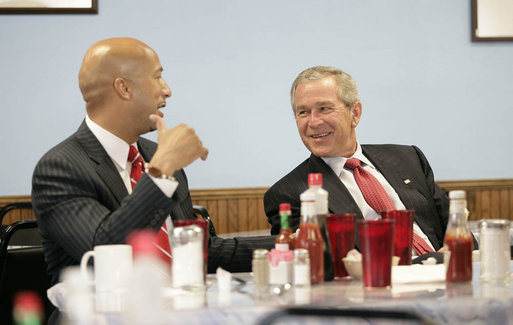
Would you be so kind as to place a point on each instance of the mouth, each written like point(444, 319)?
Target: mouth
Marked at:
point(320, 135)
point(159, 112)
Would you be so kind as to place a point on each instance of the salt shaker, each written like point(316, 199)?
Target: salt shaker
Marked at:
point(301, 268)
point(494, 247)
point(260, 266)
point(187, 249)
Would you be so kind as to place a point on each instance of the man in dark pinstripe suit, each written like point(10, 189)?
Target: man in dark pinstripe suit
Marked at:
point(327, 109)
point(81, 189)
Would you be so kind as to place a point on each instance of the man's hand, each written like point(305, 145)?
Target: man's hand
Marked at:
point(177, 148)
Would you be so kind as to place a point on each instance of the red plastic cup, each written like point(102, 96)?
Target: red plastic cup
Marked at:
point(204, 225)
point(403, 234)
point(376, 245)
point(341, 228)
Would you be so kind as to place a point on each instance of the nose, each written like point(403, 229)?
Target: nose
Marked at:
point(315, 119)
point(166, 90)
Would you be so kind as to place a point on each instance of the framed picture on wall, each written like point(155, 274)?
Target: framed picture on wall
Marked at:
point(492, 20)
point(48, 6)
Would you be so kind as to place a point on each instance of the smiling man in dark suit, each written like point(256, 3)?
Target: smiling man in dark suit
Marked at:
point(327, 109)
point(82, 190)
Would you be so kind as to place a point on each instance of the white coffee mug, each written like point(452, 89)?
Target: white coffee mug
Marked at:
point(112, 270)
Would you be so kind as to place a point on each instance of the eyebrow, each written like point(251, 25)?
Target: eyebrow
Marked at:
point(318, 104)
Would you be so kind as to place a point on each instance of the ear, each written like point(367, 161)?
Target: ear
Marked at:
point(122, 88)
point(356, 112)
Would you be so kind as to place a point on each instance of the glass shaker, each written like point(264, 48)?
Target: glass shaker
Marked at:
point(187, 250)
point(494, 247)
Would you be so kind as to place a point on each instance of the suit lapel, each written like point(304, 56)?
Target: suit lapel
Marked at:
point(104, 165)
point(388, 166)
point(339, 199)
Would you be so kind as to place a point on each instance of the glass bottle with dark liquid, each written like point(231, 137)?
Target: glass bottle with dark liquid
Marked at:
point(310, 238)
point(285, 241)
point(458, 241)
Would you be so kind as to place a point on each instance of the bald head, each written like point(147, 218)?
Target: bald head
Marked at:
point(104, 62)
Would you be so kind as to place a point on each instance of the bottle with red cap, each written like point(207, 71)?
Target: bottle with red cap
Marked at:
point(310, 238)
point(321, 209)
point(28, 308)
point(149, 275)
point(285, 240)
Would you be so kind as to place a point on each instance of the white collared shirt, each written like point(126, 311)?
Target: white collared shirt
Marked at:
point(117, 149)
point(347, 178)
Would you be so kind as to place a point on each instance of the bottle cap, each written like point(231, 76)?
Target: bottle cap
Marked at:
point(315, 179)
point(285, 207)
point(142, 242)
point(28, 302)
point(458, 195)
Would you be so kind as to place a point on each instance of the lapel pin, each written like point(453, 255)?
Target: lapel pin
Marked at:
point(407, 181)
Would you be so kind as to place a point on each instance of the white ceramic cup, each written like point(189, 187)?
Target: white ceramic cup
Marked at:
point(112, 270)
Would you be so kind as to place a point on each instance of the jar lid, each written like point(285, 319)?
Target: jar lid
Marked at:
point(301, 253)
point(493, 223)
point(457, 195)
point(260, 253)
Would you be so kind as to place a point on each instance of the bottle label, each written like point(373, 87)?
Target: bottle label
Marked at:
point(285, 221)
point(301, 274)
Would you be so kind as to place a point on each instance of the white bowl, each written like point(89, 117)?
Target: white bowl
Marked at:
point(354, 268)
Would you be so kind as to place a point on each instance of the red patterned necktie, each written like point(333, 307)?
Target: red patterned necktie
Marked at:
point(378, 199)
point(162, 239)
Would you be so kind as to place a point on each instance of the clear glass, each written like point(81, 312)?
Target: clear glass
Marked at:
point(187, 250)
point(494, 250)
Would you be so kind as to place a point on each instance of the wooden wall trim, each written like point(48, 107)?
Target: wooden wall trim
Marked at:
point(5, 200)
point(242, 209)
point(228, 193)
point(252, 192)
point(485, 184)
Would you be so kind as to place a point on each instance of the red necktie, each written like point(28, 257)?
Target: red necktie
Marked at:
point(162, 239)
point(378, 199)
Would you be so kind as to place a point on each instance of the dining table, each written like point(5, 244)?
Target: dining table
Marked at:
point(416, 290)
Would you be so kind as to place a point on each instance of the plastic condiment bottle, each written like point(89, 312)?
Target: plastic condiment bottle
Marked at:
point(321, 209)
point(285, 241)
point(458, 241)
point(310, 237)
point(150, 275)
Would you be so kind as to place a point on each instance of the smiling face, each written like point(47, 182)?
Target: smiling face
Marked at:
point(325, 124)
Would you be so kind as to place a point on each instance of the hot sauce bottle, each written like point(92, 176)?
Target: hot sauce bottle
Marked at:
point(310, 237)
point(285, 241)
point(458, 241)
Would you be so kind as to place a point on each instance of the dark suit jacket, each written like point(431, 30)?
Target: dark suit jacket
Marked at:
point(80, 201)
point(397, 164)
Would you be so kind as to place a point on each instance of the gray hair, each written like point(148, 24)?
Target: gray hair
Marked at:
point(346, 86)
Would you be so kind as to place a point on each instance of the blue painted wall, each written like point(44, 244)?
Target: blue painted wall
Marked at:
point(230, 65)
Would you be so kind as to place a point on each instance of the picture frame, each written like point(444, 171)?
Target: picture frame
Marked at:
point(48, 7)
point(492, 20)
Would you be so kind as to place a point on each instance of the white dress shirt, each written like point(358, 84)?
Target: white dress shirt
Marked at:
point(117, 149)
point(347, 178)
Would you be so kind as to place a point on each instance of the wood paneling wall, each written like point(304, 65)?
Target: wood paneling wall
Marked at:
point(242, 209)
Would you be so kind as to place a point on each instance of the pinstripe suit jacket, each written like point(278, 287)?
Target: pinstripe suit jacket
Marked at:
point(81, 201)
point(397, 164)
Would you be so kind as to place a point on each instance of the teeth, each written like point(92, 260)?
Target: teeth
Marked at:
point(320, 135)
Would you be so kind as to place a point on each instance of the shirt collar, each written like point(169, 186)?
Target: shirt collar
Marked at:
point(116, 148)
point(337, 163)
